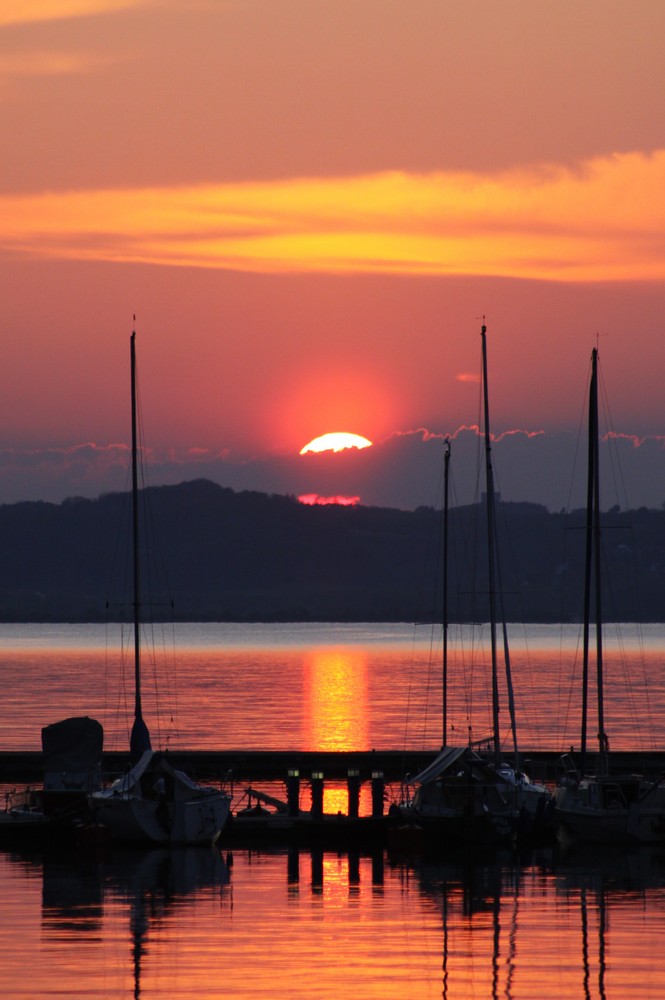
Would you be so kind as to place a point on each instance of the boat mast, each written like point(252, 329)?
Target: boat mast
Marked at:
point(588, 561)
point(592, 575)
point(446, 475)
point(140, 737)
point(602, 739)
point(489, 502)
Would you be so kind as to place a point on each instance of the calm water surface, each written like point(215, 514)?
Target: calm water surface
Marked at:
point(323, 686)
point(191, 925)
point(199, 924)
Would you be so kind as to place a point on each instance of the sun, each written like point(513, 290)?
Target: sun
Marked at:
point(336, 441)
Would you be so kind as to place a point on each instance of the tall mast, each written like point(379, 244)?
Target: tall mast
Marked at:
point(588, 561)
point(140, 737)
point(446, 474)
point(602, 742)
point(489, 500)
point(592, 575)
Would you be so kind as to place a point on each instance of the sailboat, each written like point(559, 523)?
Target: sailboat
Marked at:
point(154, 803)
point(464, 795)
point(605, 807)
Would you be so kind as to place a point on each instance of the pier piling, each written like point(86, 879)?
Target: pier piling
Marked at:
point(293, 793)
point(378, 789)
point(353, 786)
point(317, 794)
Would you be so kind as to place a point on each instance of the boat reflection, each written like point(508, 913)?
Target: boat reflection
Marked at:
point(496, 944)
point(479, 909)
point(586, 944)
point(606, 884)
point(72, 898)
point(303, 922)
point(150, 887)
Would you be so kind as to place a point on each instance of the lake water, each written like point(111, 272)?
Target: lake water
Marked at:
point(190, 925)
point(336, 687)
point(204, 924)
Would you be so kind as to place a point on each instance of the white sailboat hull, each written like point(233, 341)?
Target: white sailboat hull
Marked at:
point(155, 804)
point(136, 820)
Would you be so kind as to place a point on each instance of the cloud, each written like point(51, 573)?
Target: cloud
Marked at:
point(50, 63)
point(403, 471)
point(35, 11)
point(603, 221)
point(635, 440)
point(472, 429)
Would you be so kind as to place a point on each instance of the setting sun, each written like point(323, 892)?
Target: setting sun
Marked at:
point(336, 441)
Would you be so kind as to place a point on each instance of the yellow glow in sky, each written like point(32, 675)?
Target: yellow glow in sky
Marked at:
point(24, 11)
point(602, 221)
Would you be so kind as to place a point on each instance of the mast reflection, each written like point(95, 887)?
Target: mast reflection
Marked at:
point(492, 911)
point(152, 885)
point(548, 925)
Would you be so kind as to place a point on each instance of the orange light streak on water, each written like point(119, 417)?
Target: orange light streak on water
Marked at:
point(336, 694)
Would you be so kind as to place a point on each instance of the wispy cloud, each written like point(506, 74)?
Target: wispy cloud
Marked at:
point(50, 63)
point(636, 440)
point(603, 221)
point(474, 429)
point(400, 471)
point(33, 11)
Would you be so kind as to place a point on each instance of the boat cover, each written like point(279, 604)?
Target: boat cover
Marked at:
point(73, 745)
point(445, 759)
point(154, 764)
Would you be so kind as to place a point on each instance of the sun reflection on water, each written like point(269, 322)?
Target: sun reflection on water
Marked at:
point(336, 692)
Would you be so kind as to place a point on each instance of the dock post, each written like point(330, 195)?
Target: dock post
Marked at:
point(293, 866)
point(353, 786)
point(378, 787)
point(293, 793)
point(317, 794)
point(317, 870)
point(377, 869)
point(354, 870)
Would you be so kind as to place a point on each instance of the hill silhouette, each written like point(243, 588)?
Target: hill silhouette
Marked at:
point(251, 556)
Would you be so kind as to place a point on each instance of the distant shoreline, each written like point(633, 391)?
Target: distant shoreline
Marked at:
point(252, 557)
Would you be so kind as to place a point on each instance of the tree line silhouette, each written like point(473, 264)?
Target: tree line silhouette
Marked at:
point(218, 555)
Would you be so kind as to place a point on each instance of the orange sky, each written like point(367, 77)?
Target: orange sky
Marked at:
point(309, 206)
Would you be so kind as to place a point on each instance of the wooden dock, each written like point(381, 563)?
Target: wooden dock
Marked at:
point(274, 765)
